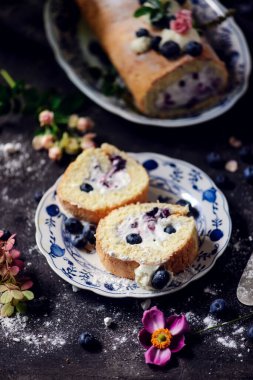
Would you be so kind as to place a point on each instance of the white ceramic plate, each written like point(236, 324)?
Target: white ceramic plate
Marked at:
point(70, 38)
point(171, 180)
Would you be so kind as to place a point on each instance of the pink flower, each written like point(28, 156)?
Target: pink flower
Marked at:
point(55, 153)
point(87, 141)
point(183, 22)
point(46, 117)
point(37, 142)
point(47, 141)
point(162, 336)
point(84, 124)
point(27, 285)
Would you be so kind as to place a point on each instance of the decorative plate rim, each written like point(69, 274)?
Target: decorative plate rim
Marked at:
point(198, 275)
point(207, 115)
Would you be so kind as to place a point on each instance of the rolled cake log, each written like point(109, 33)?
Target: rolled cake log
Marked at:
point(154, 81)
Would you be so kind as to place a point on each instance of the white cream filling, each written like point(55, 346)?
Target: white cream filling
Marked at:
point(192, 86)
point(144, 274)
point(104, 182)
point(140, 44)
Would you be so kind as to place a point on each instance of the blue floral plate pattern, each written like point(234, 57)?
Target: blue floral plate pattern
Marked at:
point(170, 180)
point(69, 39)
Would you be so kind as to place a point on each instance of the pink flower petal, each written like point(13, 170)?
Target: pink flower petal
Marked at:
point(15, 253)
point(178, 342)
point(19, 263)
point(145, 338)
point(27, 285)
point(153, 319)
point(158, 357)
point(177, 324)
point(10, 242)
point(1, 233)
point(14, 270)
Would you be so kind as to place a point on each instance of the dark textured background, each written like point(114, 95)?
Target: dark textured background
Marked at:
point(25, 53)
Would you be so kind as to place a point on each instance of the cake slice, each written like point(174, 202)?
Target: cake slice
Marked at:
point(136, 241)
point(100, 180)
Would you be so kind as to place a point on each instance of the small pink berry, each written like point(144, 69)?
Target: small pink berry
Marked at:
point(47, 141)
point(84, 124)
point(37, 143)
point(46, 117)
point(55, 153)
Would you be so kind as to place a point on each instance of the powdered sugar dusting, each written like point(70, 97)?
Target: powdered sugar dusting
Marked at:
point(227, 342)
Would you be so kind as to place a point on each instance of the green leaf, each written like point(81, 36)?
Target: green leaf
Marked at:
point(6, 297)
point(142, 11)
point(21, 307)
point(28, 295)
point(7, 310)
point(17, 294)
point(55, 102)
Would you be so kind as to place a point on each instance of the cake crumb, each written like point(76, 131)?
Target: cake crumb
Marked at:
point(146, 304)
point(108, 321)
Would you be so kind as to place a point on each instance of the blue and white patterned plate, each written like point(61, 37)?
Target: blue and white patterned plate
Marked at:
point(70, 38)
point(171, 180)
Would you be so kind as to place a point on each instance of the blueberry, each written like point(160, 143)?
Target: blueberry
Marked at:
point(133, 239)
point(79, 241)
point(155, 42)
point(250, 333)
point(181, 83)
point(73, 225)
point(170, 230)
point(245, 153)
point(150, 165)
point(91, 236)
point(214, 160)
point(192, 210)
point(142, 32)
point(170, 50)
point(86, 187)
point(6, 235)
point(223, 181)
point(160, 23)
point(88, 341)
point(152, 212)
point(218, 306)
point(160, 279)
point(195, 76)
point(248, 174)
point(118, 163)
point(164, 213)
point(38, 195)
point(193, 48)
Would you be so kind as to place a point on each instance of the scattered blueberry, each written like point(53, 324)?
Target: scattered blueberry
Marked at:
point(88, 341)
point(38, 195)
point(170, 50)
point(170, 230)
point(79, 241)
point(218, 306)
point(223, 181)
point(6, 235)
point(152, 212)
point(160, 279)
point(181, 83)
point(163, 199)
point(195, 76)
point(155, 42)
point(250, 333)
point(248, 174)
point(86, 187)
point(214, 160)
point(133, 239)
point(150, 165)
point(245, 153)
point(192, 210)
point(73, 225)
point(193, 48)
point(142, 32)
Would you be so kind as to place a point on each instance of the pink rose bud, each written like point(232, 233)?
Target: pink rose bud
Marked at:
point(72, 122)
point(84, 124)
point(87, 143)
point(55, 153)
point(47, 141)
point(46, 117)
point(37, 143)
point(183, 22)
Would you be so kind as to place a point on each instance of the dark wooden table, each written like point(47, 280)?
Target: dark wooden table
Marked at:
point(48, 347)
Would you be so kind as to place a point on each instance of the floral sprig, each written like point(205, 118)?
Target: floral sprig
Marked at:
point(157, 10)
point(13, 288)
point(59, 135)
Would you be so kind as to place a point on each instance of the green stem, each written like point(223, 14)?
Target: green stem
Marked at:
point(246, 316)
point(8, 79)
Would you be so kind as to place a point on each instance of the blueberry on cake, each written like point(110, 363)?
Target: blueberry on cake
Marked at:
point(100, 180)
point(147, 242)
